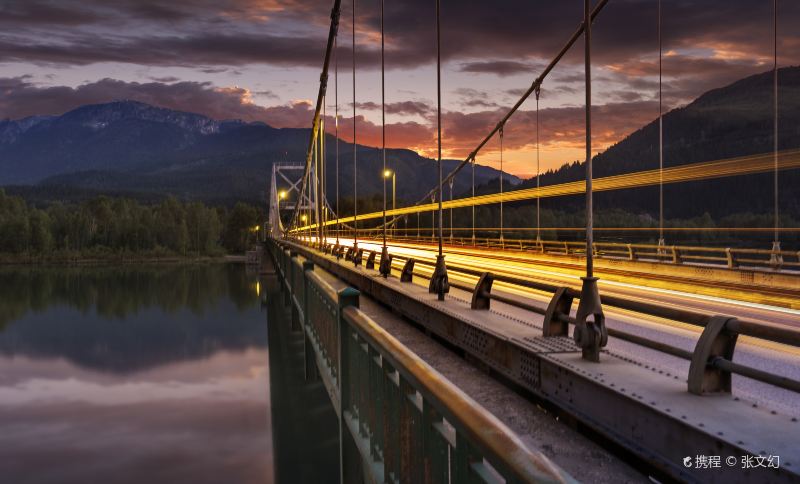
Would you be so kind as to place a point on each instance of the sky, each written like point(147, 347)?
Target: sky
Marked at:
point(260, 60)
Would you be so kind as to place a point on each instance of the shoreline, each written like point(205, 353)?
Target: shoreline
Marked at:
point(87, 261)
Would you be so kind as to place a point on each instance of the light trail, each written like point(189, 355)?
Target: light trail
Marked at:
point(528, 270)
point(744, 165)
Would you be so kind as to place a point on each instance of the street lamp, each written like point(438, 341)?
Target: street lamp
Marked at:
point(282, 194)
point(393, 176)
point(303, 218)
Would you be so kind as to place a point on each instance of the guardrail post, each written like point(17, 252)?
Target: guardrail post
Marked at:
point(559, 306)
point(347, 451)
point(631, 252)
point(287, 276)
point(676, 255)
point(730, 257)
point(370, 260)
point(716, 341)
point(408, 271)
point(311, 372)
point(307, 266)
point(566, 248)
point(481, 295)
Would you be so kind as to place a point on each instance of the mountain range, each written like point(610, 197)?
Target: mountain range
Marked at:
point(132, 147)
point(127, 147)
point(731, 121)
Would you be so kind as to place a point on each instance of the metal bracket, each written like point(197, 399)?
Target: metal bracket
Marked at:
point(716, 341)
point(440, 284)
point(590, 332)
point(348, 253)
point(408, 271)
point(560, 305)
point(385, 267)
point(483, 289)
point(370, 260)
point(358, 257)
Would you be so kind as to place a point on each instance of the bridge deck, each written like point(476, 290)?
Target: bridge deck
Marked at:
point(574, 452)
point(657, 407)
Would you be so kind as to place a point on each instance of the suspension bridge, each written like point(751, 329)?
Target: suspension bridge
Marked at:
point(663, 351)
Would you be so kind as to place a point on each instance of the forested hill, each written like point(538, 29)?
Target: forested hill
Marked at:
point(128, 147)
point(734, 120)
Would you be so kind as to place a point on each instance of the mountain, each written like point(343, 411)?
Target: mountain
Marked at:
point(735, 120)
point(128, 146)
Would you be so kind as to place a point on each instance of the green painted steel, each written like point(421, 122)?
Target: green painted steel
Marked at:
point(407, 423)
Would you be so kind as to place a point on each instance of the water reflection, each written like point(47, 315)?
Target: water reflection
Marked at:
point(135, 374)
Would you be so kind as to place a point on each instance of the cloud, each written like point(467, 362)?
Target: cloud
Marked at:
point(498, 67)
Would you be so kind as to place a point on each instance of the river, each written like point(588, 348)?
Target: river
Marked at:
point(133, 374)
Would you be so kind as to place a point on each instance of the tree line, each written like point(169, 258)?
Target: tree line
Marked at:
point(109, 226)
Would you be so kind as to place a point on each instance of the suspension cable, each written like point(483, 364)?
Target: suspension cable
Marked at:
point(537, 82)
point(323, 85)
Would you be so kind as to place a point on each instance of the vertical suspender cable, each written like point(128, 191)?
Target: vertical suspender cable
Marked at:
point(439, 113)
point(502, 128)
point(538, 172)
point(383, 129)
point(473, 204)
point(451, 210)
point(323, 171)
point(660, 139)
point(336, 128)
point(355, 149)
point(587, 34)
point(776, 244)
point(439, 283)
point(386, 264)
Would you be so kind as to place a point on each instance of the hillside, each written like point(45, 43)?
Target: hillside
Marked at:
point(731, 121)
point(128, 147)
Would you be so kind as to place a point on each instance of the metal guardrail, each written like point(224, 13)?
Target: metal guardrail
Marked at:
point(711, 361)
point(408, 422)
point(727, 257)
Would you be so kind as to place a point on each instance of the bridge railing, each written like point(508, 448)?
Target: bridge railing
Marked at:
point(711, 361)
point(407, 420)
point(730, 257)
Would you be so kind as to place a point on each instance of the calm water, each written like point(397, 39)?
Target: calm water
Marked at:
point(154, 374)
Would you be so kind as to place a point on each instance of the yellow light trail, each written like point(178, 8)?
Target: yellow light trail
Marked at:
point(745, 165)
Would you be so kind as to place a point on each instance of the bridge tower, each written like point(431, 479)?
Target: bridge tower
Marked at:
point(285, 194)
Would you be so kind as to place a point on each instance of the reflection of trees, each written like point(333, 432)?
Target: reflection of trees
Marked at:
point(123, 290)
point(134, 316)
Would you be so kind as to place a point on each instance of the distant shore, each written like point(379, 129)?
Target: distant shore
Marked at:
point(94, 259)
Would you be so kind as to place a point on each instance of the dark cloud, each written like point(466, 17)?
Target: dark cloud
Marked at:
point(403, 107)
point(498, 67)
point(21, 98)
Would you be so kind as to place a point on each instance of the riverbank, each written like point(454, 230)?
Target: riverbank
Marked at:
point(100, 257)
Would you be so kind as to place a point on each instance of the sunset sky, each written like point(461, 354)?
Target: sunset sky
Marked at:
point(260, 60)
